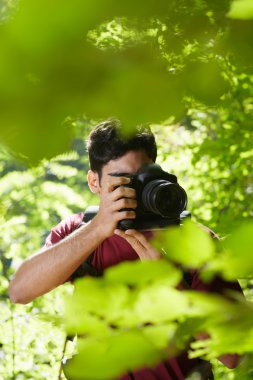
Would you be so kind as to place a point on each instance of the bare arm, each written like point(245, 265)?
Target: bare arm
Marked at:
point(50, 267)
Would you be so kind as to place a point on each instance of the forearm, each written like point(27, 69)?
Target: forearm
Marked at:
point(52, 266)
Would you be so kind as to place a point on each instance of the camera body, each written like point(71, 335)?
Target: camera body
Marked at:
point(160, 199)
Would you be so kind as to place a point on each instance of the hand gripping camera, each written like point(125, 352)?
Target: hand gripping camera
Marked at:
point(160, 199)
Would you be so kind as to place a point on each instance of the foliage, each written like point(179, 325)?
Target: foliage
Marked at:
point(186, 68)
point(183, 45)
point(137, 305)
point(30, 348)
point(211, 153)
point(241, 9)
point(7, 8)
point(31, 197)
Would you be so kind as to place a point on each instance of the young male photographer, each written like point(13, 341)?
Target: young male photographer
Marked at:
point(70, 243)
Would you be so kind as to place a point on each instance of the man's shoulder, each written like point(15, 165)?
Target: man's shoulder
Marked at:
point(64, 228)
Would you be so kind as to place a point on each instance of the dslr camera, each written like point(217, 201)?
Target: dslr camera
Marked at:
point(160, 200)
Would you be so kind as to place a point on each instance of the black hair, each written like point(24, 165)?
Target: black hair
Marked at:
point(106, 143)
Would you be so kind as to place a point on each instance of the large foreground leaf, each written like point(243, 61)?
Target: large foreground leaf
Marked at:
point(108, 359)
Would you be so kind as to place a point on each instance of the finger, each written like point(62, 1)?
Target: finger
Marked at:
point(123, 192)
point(124, 203)
point(125, 214)
point(143, 252)
point(124, 235)
point(148, 251)
point(139, 236)
point(113, 182)
point(136, 244)
point(120, 233)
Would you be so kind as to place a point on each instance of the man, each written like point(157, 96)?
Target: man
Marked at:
point(71, 243)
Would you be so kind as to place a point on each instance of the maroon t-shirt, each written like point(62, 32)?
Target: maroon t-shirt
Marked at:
point(114, 250)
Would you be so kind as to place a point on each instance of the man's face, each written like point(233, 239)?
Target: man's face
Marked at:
point(130, 163)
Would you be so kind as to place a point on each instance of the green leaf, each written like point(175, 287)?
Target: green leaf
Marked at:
point(97, 298)
point(227, 335)
point(159, 303)
point(160, 335)
point(204, 81)
point(128, 295)
point(188, 245)
point(236, 261)
point(143, 272)
point(208, 305)
point(49, 73)
point(103, 360)
point(241, 9)
point(85, 324)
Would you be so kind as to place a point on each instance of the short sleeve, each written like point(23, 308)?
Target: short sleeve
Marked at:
point(217, 285)
point(64, 228)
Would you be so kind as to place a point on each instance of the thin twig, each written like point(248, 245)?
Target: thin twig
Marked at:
point(62, 357)
point(13, 341)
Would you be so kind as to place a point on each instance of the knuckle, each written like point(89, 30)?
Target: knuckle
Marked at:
point(118, 191)
point(123, 203)
point(130, 214)
point(126, 203)
point(123, 190)
point(131, 203)
point(129, 191)
point(121, 180)
point(125, 215)
point(134, 203)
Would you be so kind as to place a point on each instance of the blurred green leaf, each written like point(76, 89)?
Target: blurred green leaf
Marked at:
point(49, 71)
point(143, 295)
point(160, 335)
point(85, 324)
point(160, 303)
point(99, 299)
point(143, 273)
point(238, 319)
point(117, 355)
point(188, 245)
point(236, 260)
point(241, 9)
point(204, 81)
point(238, 42)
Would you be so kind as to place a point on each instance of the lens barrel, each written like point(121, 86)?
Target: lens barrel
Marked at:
point(164, 198)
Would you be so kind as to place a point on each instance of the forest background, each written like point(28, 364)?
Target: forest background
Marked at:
point(183, 67)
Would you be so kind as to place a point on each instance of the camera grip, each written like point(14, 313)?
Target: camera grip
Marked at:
point(126, 224)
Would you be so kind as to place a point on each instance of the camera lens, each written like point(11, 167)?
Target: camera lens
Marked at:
point(164, 198)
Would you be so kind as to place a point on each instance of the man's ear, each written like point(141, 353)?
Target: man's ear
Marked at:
point(93, 181)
